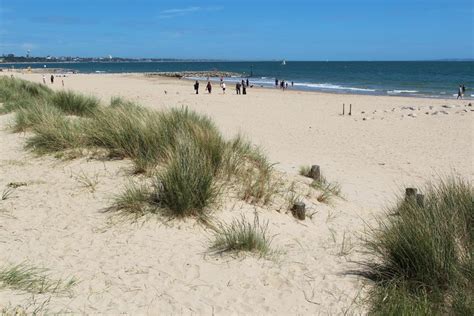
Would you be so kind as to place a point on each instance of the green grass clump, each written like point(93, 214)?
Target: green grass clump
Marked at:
point(135, 200)
point(241, 235)
point(116, 102)
point(37, 112)
point(55, 133)
point(27, 278)
point(187, 185)
point(196, 160)
point(147, 136)
point(199, 128)
point(74, 103)
point(127, 132)
point(424, 262)
point(16, 93)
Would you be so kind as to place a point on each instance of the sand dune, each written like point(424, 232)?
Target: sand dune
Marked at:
point(158, 266)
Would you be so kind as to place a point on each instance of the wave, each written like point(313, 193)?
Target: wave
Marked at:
point(401, 91)
point(330, 86)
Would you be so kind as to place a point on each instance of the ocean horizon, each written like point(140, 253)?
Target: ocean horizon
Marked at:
point(439, 79)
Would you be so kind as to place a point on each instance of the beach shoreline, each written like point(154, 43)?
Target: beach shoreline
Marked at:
point(408, 79)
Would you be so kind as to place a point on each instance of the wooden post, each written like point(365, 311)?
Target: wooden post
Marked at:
point(315, 173)
point(420, 200)
point(410, 194)
point(343, 108)
point(299, 210)
point(350, 109)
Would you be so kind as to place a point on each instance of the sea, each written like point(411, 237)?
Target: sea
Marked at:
point(439, 79)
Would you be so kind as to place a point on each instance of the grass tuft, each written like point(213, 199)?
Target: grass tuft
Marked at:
point(116, 102)
point(328, 190)
point(74, 103)
point(135, 200)
point(86, 181)
point(241, 235)
point(23, 277)
point(55, 133)
point(16, 93)
point(36, 113)
point(423, 255)
point(187, 185)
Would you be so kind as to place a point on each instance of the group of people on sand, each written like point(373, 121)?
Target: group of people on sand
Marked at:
point(240, 86)
point(52, 80)
point(282, 84)
point(461, 91)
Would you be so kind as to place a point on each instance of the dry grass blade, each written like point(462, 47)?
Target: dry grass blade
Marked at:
point(7, 192)
point(88, 182)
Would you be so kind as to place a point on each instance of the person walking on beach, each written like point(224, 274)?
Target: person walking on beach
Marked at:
point(209, 87)
point(44, 79)
point(459, 92)
point(237, 87)
point(196, 87)
point(244, 87)
point(52, 79)
point(247, 83)
point(223, 87)
point(463, 90)
point(276, 82)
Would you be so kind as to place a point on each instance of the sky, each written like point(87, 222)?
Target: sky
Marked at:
point(240, 29)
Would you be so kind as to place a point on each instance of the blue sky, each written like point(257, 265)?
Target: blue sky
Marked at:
point(240, 29)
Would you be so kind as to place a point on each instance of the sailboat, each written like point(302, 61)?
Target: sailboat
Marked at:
point(283, 63)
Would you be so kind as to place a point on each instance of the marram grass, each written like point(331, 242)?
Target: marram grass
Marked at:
point(424, 254)
point(30, 279)
point(185, 149)
point(242, 235)
point(187, 185)
point(74, 103)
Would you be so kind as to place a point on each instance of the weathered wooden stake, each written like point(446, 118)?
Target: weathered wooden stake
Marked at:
point(410, 194)
point(299, 210)
point(315, 173)
point(350, 109)
point(343, 108)
point(420, 200)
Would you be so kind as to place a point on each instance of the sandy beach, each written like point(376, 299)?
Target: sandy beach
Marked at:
point(157, 266)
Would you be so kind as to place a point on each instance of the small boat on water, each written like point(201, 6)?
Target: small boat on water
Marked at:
point(283, 63)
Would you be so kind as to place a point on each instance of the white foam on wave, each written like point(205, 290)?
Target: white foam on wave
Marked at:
point(401, 91)
point(330, 86)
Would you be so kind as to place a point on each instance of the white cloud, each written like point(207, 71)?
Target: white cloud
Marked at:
point(180, 11)
point(171, 13)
